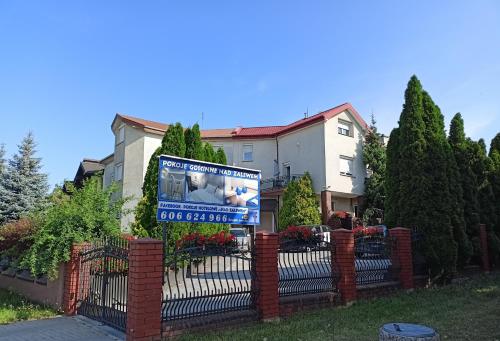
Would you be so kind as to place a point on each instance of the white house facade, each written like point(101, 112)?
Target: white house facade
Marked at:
point(328, 145)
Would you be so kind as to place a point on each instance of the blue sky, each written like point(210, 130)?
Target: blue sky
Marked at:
point(67, 67)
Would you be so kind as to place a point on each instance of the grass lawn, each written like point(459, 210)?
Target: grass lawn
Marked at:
point(14, 307)
point(466, 311)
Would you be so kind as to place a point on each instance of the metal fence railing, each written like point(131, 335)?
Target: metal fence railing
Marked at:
point(373, 260)
point(306, 268)
point(201, 281)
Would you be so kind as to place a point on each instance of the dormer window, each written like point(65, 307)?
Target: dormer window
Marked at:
point(345, 128)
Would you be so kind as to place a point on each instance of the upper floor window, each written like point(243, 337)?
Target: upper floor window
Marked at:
point(346, 165)
point(118, 171)
point(345, 128)
point(247, 152)
point(121, 135)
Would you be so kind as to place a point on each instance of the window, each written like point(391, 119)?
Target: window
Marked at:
point(121, 134)
point(333, 205)
point(346, 166)
point(345, 128)
point(247, 152)
point(118, 171)
point(286, 170)
point(356, 211)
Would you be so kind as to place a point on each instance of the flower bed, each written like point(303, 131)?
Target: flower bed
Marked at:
point(299, 237)
point(361, 231)
point(196, 241)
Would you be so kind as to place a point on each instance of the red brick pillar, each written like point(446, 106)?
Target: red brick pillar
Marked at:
point(483, 237)
point(144, 299)
point(344, 264)
point(402, 255)
point(326, 206)
point(266, 269)
point(72, 280)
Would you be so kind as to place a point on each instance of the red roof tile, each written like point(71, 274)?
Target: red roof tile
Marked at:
point(253, 132)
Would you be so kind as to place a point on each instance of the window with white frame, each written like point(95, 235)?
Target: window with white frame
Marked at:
point(248, 152)
point(345, 128)
point(346, 165)
point(118, 171)
point(121, 135)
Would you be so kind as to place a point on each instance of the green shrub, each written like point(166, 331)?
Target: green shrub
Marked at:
point(88, 213)
point(16, 237)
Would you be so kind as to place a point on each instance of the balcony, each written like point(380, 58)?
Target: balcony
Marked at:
point(278, 182)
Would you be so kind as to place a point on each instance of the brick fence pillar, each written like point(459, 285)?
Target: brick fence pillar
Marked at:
point(72, 280)
point(144, 298)
point(344, 264)
point(402, 255)
point(483, 237)
point(266, 270)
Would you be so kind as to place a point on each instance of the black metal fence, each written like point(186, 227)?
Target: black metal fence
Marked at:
point(374, 263)
point(102, 290)
point(306, 268)
point(201, 281)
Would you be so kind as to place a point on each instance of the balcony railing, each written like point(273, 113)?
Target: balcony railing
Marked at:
point(278, 182)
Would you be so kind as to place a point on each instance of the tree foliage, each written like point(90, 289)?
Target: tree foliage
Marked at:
point(23, 186)
point(87, 213)
point(374, 157)
point(300, 204)
point(461, 149)
point(417, 184)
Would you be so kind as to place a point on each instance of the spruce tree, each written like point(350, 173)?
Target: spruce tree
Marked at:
point(300, 204)
point(2, 159)
point(24, 186)
point(374, 157)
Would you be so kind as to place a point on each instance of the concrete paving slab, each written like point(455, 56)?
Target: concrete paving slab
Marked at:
point(62, 328)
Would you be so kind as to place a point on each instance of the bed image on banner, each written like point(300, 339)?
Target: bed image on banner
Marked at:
point(204, 192)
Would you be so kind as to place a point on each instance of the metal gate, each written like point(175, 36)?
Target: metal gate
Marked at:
point(102, 290)
point(201, 281)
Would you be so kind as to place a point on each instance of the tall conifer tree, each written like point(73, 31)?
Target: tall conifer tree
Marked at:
point(300, 206)
point(391, 213)
point(24, 187)
point(374, 157)
point(468, 180)
point(417, 179)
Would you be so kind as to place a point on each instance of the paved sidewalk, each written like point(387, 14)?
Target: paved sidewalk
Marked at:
point(63, 328)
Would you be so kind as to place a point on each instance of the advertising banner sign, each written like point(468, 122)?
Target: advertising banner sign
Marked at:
point(204, 192)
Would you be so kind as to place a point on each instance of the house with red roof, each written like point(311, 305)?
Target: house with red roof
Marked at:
point(328, 145)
